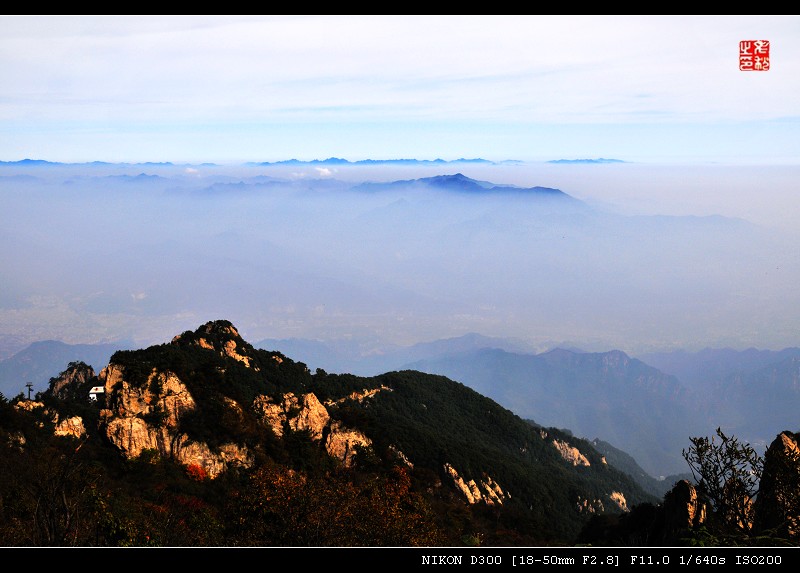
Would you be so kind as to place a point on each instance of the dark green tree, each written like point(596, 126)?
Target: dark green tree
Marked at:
point(727, 472)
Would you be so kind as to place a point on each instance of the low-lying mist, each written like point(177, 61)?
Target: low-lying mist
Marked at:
point(644, 258)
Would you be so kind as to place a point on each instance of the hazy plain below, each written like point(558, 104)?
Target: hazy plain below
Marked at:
point(651, 257)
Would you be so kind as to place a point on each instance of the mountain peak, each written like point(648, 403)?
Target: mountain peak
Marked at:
point(458, 180)
point(221, 336)
point(219, 328)
point(460, 183)
point(213, 328)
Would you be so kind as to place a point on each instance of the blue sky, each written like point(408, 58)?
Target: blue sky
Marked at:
point(229, 89)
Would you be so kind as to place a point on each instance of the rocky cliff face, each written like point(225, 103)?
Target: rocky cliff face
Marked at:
point(220, 336)
point(63, 426)
point(289, 412)
point(619, 500)
point(72, 426)
point(485, 490)
point(683, 508)
point(614, 500)
point(778, 504)
point(306, 413)
point(139, 418)
point(146, 413)
point(73, 380)
point(570, 453)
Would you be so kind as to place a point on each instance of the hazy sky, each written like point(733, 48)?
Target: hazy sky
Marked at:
point(227, 89)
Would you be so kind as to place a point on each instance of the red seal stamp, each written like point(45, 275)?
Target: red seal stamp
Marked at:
point(754, 55)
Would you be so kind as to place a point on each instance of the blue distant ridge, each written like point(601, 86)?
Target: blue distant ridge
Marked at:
point(45, 162)
point(339, 161)
point(328, 161)
point(598, 160)
point(462, 184)
point(29, 162)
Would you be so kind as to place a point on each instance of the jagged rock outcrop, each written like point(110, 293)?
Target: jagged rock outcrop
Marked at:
point(683, 508)
point(220, 336)
point(570, 453)
point(777, 506)
point(596, 506)
point(343, 443)
point(402, 457)
point(311, 415)
point(306, 413)
point(72, 426)
point(145, 412)
point(487, 490)
point(163, 395)
point(72, 381)
point(271, 413)
point(28, 405)
point(619, 499)
point(590, 506)
point(359, 396)
point(147, 417)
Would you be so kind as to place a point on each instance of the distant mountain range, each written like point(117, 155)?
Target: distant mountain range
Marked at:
point(43, 162)
point(41, 361)
point(461, 183)
point(369, 358)
point(598, 160)
point(710, 367)
point(626, 463)
point(339, 161)
point(748, 391)
point(647, 407)
point(328, 161)
point(605, 395)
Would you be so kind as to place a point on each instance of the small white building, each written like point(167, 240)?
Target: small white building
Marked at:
point(95, 391)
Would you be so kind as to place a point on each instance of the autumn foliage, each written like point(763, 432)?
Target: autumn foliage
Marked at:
point(196, 472)
point(287, 507)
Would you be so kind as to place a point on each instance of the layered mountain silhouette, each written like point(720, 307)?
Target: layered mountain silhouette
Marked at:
point(210, 402)
point(368, 357)
point(460, 183)
point(649, 413)
point(210, 429)
point(747, 391)
point(587, 161)
point(605, 395)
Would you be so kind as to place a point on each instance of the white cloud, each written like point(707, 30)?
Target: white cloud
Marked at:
point(169, 78)
point(498, 67)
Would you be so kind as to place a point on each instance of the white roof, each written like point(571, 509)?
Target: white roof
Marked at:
point(97, 389)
